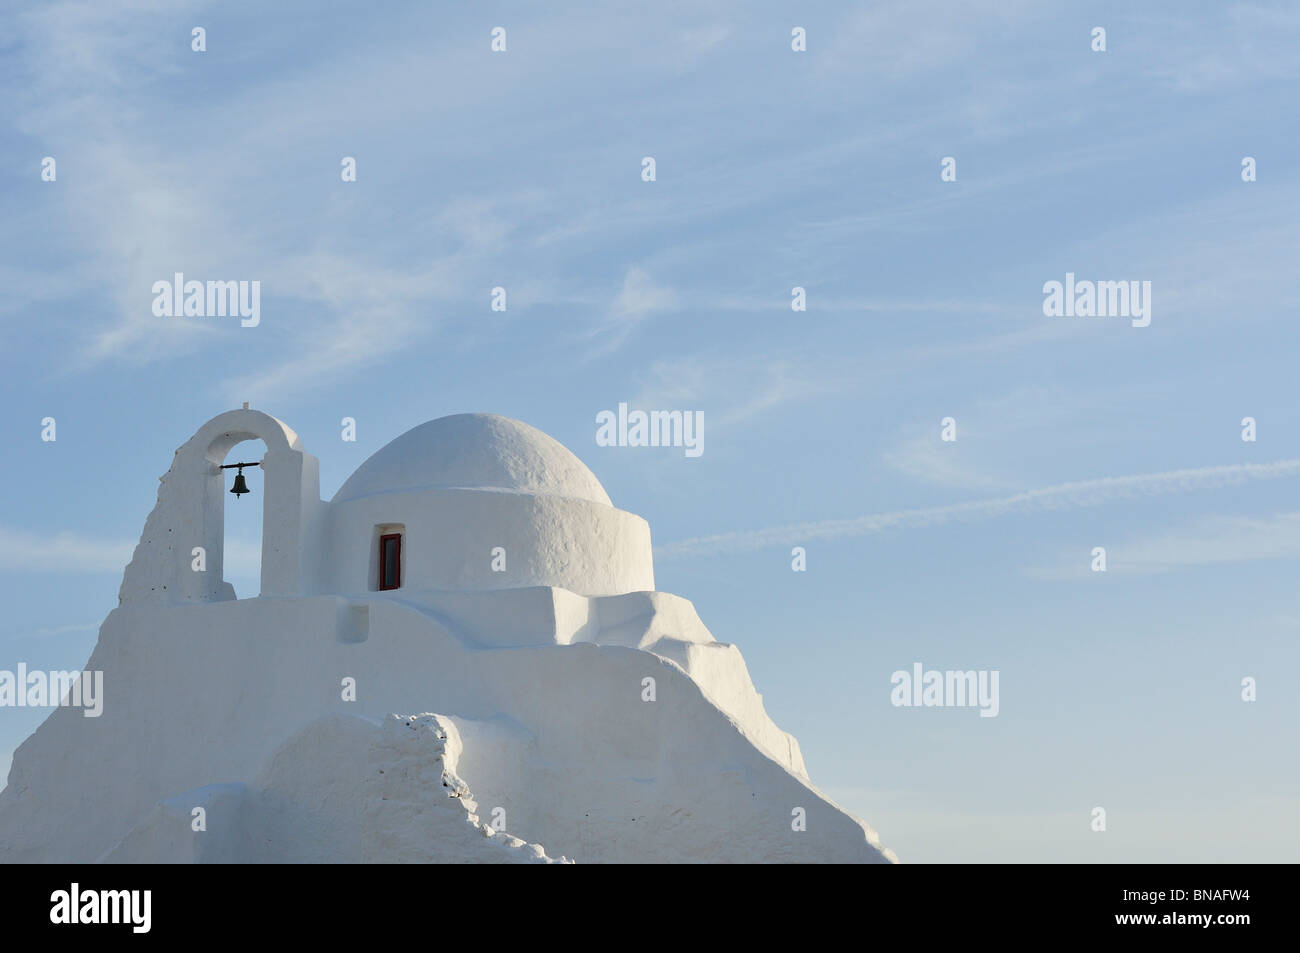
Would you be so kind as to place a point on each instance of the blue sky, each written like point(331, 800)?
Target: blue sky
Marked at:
point(774, 169)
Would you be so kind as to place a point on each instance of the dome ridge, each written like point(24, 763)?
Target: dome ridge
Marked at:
point(474, 451)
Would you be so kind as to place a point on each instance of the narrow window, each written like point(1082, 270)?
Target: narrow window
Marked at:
point(390, 561)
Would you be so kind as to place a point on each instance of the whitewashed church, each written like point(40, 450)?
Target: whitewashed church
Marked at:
point(435, 504)
point(461, 657)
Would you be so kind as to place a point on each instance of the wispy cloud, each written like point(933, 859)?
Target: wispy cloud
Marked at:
point(1071, 495)
point(942, 463)
point(639, 298)
point(1210, 541)
point(22, 551)
point(54, 631)
point(735, 388)
point(372, 311)
point(701, 40)
point(940, 35)
point(68, 552)
point(1014, 428)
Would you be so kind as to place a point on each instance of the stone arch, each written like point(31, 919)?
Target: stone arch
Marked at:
point(190, 512)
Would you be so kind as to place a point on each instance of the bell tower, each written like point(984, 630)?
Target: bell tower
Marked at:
point(190, 513)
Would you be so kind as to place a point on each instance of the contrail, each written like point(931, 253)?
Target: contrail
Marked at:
point(1058, 497)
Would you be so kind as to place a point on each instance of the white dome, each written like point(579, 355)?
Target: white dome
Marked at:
point(475, 451)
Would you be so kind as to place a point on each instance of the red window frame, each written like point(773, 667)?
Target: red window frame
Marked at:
point(385, 583)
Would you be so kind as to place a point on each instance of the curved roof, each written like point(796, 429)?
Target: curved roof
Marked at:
point(478, 451)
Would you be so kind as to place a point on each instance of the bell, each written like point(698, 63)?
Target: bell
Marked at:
point(240, 487)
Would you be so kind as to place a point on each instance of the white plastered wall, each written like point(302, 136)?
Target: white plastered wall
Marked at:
point(450, 534)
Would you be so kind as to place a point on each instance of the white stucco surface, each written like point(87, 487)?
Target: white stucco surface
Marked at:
point(344, 789)
point(450, 535)
point(480, 451)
